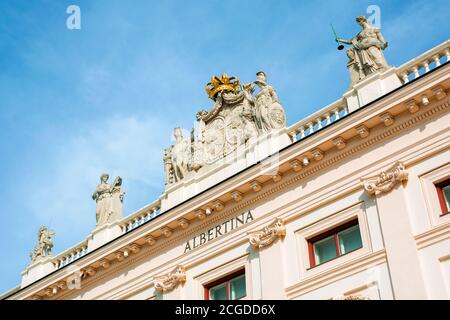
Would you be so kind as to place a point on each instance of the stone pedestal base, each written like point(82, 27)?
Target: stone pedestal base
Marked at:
point(102, 235)
point(371, 88)
point(37, 270)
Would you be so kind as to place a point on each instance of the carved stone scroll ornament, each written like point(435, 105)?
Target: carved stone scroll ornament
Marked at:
point(170, 281)
point(268, 235)
point(45, 244)
point(386, 180)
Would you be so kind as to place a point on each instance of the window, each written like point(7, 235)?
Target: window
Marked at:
point(334, 243)
point(443, 191)
point(231, 287)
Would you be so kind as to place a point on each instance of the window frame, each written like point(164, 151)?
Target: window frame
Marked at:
point(440, 193)
point(332, 232)
point(226, 279)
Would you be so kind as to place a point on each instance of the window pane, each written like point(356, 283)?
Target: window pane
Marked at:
point(349, 239)
point(446, 192)
point(324, 250)
point(218, 292)
point(237, 288)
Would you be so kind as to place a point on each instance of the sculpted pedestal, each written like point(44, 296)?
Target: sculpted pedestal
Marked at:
point(371, 88)
point(37, 270)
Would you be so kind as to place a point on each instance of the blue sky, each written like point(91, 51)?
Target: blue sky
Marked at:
point(76, 103)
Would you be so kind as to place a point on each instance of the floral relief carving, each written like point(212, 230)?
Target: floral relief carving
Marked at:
point(170, 281)
point(386, 180)
point(268, 234)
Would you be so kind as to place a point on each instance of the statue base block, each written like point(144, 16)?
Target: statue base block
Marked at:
point(371, 88)
point(37, 270)
point(103, 234)
point(255, 150)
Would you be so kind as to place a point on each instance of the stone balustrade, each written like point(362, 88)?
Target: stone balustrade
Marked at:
point(318, 120)
point(425, 62)
point(70, 255)
point(141, 216)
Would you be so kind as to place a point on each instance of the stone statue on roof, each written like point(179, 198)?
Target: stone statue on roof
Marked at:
point(366, 55)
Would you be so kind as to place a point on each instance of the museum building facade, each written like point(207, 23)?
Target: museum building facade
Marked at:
point(351, 202)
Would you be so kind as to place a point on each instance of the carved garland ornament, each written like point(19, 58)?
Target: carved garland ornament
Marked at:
point(386, 180)
point(268, 235)
point(170, 281)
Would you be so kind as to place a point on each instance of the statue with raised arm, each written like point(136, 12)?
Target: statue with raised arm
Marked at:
point(109, 199)
point(44, 246)
point(368, 46)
